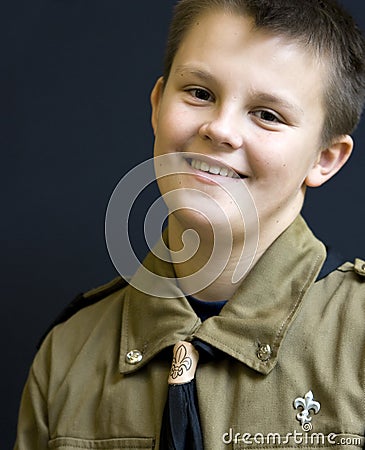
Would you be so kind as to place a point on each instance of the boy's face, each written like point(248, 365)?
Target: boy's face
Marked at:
point(251, 101)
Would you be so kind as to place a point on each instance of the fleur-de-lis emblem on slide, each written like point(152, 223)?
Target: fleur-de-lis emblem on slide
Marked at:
point(180, 362)
point(307, 404)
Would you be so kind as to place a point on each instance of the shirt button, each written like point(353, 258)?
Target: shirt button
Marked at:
point(264, 352)
point(133, 357)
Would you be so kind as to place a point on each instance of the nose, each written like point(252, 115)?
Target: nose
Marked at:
point(223, 131)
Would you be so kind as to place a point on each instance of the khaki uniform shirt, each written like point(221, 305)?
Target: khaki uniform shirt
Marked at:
point(292, 348)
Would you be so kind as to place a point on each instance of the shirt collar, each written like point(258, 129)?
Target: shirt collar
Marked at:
point(251, 326)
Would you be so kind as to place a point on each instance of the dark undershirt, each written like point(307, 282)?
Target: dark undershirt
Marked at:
point(205, 309)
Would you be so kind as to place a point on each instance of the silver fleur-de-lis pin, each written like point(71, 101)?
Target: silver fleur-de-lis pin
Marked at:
point(307, 404)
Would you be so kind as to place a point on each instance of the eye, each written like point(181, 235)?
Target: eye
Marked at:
point(267, 116)
point(201, 94)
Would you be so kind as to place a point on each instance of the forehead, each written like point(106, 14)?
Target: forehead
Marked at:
point(221, 28)
point(228, 47)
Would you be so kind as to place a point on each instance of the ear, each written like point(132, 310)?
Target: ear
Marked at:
point(329, 161)
point(156, 96)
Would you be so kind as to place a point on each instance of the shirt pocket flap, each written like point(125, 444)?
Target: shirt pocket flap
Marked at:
point(66, 443)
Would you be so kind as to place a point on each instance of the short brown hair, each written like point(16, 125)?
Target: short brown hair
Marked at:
point(320, 25)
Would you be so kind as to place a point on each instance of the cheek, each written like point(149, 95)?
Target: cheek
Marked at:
point(279, 158)
point(173, 114)
point(175, 134)
point(270, 163)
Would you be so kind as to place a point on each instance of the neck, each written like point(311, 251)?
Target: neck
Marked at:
point(219, 263)
point(209, 273)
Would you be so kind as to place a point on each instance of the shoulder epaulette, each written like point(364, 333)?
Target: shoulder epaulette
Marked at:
point(359, 267)
point(86, 299)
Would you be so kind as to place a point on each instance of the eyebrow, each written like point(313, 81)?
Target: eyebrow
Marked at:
point(202, 74)
point(277, 101)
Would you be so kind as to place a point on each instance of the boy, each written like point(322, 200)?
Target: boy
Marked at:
point(258, 96)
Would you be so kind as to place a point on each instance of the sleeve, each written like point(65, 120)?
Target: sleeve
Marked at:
point(32, 431)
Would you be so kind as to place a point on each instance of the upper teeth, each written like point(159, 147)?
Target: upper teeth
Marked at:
point(215, 170)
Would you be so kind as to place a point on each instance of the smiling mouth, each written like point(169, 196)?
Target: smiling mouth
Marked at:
point(213, 169)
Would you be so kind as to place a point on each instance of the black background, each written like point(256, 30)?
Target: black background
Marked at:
point(75, 80)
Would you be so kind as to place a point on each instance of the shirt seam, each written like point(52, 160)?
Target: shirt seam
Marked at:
point(279, 334)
